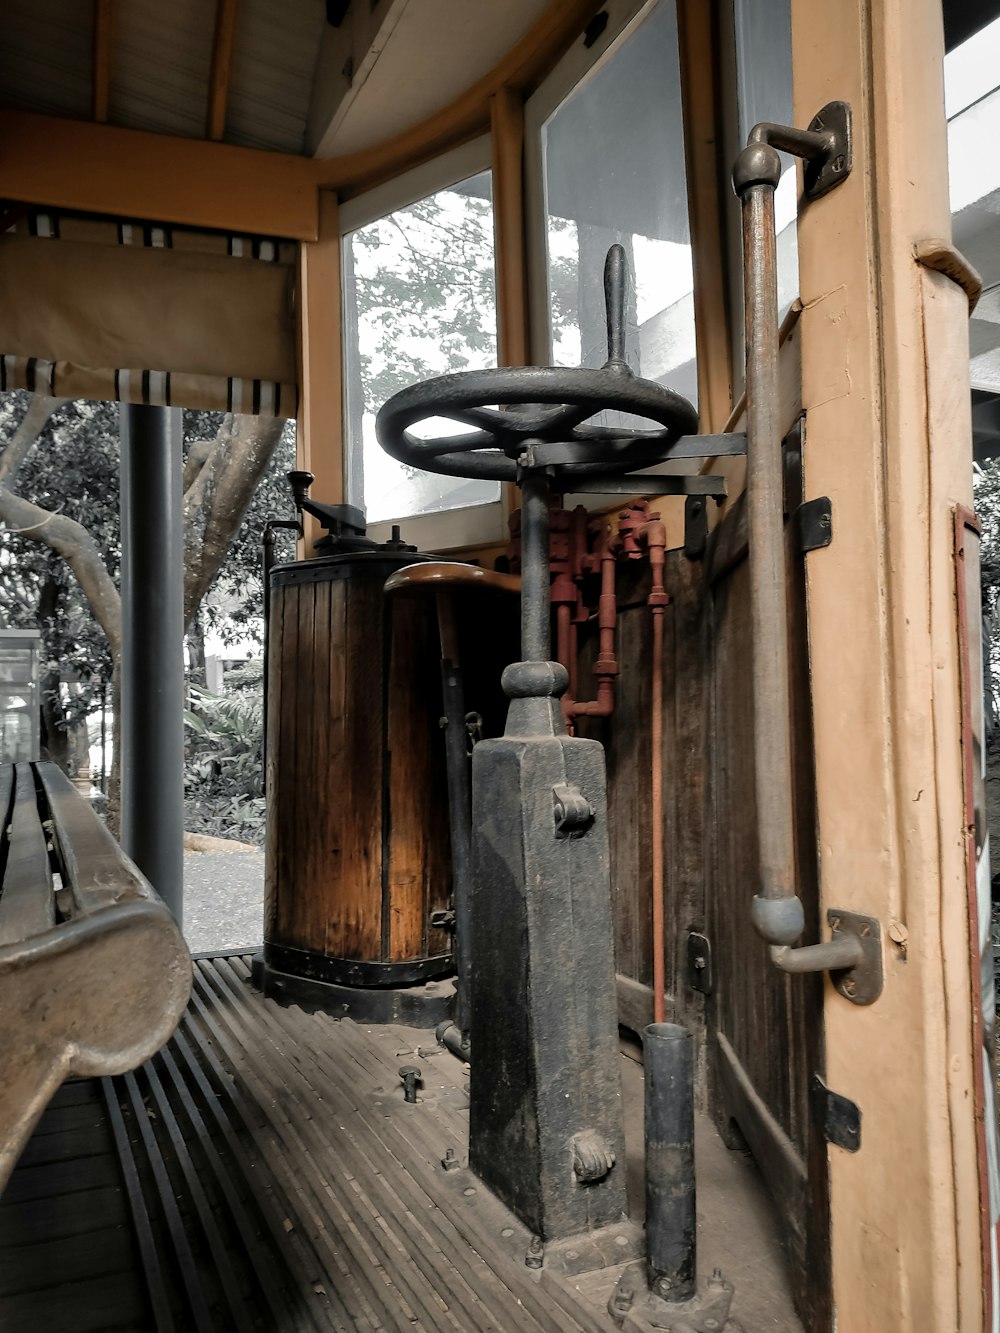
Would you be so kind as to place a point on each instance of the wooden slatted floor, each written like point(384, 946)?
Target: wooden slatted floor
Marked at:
point(264, 1172)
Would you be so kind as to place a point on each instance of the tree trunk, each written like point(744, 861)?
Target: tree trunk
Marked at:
point(197, 672)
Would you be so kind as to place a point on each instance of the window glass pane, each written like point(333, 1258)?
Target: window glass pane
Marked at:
point(614, 171)
point(972, 103)
point(419, 301)
point(764, 92)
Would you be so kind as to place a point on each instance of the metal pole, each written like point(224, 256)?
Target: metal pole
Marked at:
point(459, 807)
point(777, 911)
point(535, 604)
point(670, 1184)
point(152, 658)
point(267, 565)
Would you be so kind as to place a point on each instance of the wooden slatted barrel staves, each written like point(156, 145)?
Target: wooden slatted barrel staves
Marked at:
point(357, 827)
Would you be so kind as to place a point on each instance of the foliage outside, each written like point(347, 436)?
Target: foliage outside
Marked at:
point(224, 748)
point(60, 547)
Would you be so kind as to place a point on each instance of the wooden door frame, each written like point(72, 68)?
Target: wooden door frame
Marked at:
point(888, 439)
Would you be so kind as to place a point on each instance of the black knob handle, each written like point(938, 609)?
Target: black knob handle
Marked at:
point(615, 283)
point(300, 483)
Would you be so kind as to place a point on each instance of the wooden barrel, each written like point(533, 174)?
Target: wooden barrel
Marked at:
point(357, 820)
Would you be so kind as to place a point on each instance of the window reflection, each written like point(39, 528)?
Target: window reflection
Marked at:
point(614, 171)
point(419, 301)
point(972, 104)
point(763, 30)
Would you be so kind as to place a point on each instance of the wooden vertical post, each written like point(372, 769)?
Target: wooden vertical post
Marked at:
point(507, 131)
point(697, 42)
point(319, 424)
point(888, 439)
point(507, 139)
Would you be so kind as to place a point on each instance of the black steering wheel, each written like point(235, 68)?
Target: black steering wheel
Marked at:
point(548, 408)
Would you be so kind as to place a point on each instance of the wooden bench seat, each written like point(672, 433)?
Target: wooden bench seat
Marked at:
point(94, 972)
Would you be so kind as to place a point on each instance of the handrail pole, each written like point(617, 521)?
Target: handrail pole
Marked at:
point(777, 912)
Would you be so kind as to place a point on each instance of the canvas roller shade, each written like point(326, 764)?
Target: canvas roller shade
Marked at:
point(140, 313)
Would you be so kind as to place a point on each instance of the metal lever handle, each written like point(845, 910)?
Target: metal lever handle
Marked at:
point(777, 913)
point(615, 277)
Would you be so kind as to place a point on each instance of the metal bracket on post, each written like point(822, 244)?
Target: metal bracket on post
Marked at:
point(852, 956)
point(825, 147)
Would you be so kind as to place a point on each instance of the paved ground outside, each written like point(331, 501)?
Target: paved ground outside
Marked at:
point(223, 900)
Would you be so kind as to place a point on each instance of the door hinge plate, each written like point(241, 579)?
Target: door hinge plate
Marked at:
point(815, 524)
point(699, 959)
point(839, 1116)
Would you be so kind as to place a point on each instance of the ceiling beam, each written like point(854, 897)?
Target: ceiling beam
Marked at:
point(74, 164)
point(101, 64)
point(222, 58)
point(520, 70)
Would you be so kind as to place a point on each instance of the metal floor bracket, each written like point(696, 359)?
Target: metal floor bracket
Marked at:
point(633, 1306)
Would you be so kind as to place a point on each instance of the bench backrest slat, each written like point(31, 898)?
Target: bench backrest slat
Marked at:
point(27, 903)
point(93, 867)
point(6, 794)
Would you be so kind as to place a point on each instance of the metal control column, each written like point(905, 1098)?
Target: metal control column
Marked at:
point(152, 654)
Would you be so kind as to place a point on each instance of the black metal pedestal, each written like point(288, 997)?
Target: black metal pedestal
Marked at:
point(423, 1005)
point(546, 1117)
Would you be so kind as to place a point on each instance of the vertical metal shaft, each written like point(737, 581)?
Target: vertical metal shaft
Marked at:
point(670, 1182)
point(459, 815)
point(765, 515)
point(535, 632)
point(777, 912)
point(267, 562)
point(152, 657)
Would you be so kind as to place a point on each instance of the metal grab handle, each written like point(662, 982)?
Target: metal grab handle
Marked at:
point(777, 913)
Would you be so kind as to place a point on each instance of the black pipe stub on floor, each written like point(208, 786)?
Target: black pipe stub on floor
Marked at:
point(423, 1005)
point(633, 1305)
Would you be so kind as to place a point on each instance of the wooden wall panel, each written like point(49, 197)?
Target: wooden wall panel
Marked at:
point(419, 865)
point(626, 738)
point(761, 1029)
point(765, 1028)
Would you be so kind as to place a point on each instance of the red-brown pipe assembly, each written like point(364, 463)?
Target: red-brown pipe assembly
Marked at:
point(578, 547)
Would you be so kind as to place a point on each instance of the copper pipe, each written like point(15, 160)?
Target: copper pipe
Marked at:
point(566, 653)
point(656, 541)
point(606, 666)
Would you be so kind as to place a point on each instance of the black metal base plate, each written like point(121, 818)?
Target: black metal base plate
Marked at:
point(422, 1006)
point(634, 1306)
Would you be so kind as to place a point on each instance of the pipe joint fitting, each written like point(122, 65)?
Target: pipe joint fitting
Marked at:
point(757, 164)
point(778, 920)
